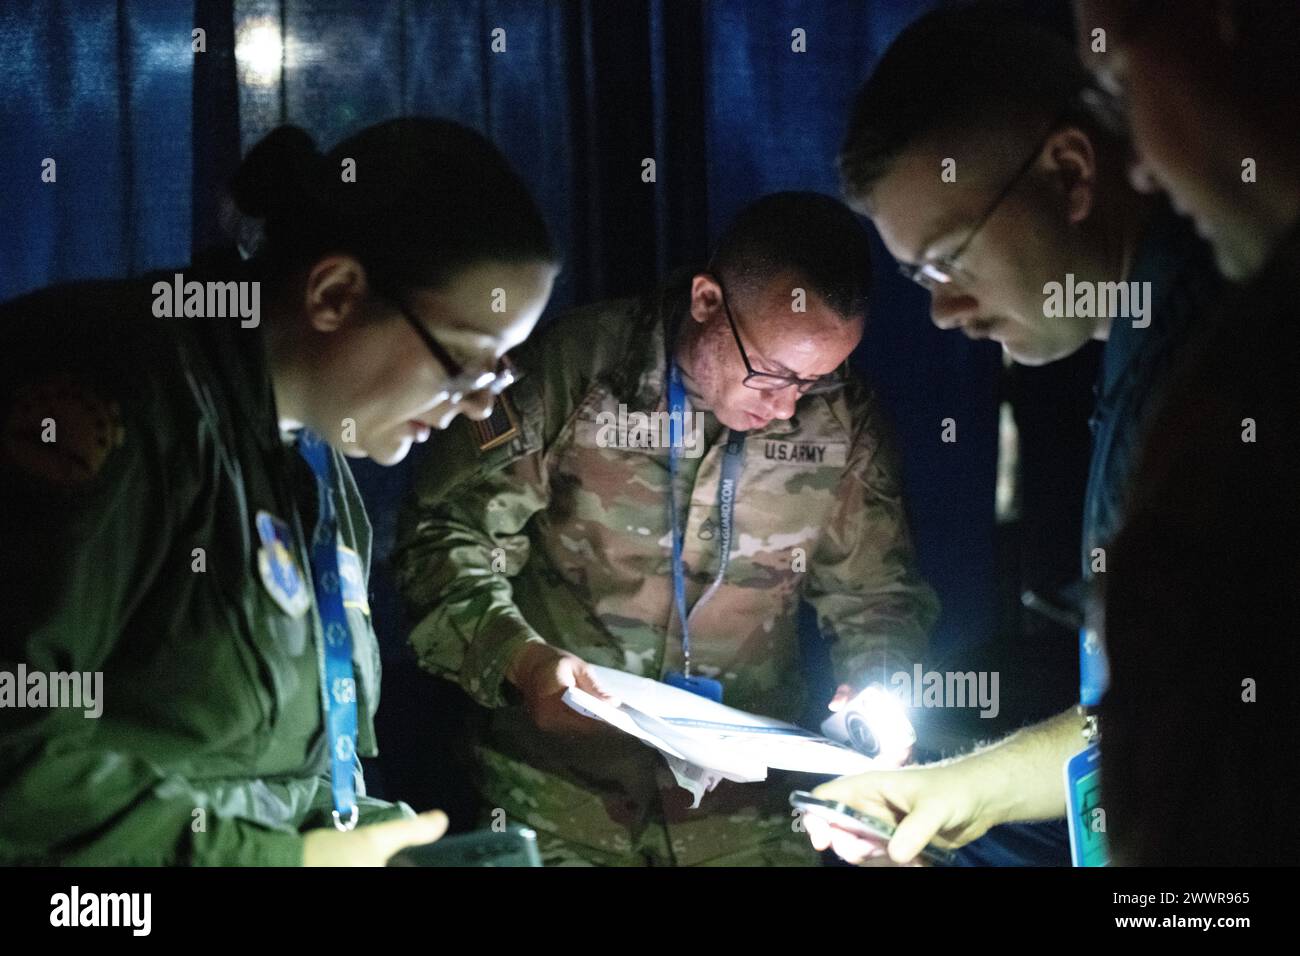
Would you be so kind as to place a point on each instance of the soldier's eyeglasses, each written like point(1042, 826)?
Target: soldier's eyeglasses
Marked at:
point(460, 382)
point(769, 382)
point(941, 270)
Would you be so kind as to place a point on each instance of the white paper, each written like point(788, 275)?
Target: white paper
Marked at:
point(704, 741)
point(696, 780)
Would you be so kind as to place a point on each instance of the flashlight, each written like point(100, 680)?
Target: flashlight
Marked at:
point(873, 723)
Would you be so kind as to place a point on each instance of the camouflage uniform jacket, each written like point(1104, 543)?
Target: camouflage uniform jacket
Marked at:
point(559, 531)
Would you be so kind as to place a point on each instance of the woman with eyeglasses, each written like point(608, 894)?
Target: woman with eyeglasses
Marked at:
point(189, 670)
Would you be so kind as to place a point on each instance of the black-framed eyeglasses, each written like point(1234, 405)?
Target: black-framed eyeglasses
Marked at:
point(942, 270)
point(460, 382)
point(769, 382)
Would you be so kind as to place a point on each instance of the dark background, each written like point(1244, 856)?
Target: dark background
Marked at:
point(146, 134)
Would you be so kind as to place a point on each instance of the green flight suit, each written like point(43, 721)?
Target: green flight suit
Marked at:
point(129, 547)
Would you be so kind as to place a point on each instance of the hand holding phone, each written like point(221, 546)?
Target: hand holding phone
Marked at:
point(859, 825)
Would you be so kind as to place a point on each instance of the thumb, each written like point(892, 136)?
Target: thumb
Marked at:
point(399, 834)
point(551, 675)
point(914, 831)
point(566, 673)
point(586, 680)
point(843, 694)
point(866, 791)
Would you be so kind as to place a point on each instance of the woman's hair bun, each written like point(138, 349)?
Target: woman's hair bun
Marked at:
point(431, 197)
point(277, 172)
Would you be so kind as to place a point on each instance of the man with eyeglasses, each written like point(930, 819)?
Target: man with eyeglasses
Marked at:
point(994, 174)
point(543, 540)
point(1201, 597)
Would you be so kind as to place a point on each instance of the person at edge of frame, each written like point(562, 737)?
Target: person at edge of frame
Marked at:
point(181, 520)
point(1041, 197)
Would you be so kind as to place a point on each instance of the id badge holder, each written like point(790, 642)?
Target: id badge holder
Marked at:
point(704, 687)
point(1086, 816)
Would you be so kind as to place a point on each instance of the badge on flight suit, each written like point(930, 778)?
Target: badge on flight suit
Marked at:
point(275, 561)
point(351, 581)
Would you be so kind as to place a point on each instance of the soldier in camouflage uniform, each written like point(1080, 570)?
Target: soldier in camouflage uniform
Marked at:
point(540, 540)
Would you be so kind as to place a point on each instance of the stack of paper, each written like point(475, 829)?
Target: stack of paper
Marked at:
point(704, 741)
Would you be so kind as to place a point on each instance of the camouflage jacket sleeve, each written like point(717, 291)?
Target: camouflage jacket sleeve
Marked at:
point(862, 578)
point(462, 538)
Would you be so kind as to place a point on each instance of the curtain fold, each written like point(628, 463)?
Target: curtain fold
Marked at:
point(103, 88)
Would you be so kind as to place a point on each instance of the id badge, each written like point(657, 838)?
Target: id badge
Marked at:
point(351, 580)
point(1087, 818)
point(700, 686)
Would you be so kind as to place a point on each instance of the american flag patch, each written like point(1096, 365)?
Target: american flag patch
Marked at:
point(500, 427)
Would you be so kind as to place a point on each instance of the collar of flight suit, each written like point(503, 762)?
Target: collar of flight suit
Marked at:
point(238, 357)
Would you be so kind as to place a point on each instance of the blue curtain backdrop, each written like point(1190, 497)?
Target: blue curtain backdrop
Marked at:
point(146, 133)
point(102, 87)
point(717, 96)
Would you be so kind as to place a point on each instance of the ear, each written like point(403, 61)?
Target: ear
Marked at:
point(334, 293)
point(1072, 160)
point(706, 297)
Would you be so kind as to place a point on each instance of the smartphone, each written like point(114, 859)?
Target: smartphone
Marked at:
point(514, 846)
point(860, 824)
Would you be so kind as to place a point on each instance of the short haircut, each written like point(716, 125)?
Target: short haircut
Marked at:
point(812, 235)
point(957, 70)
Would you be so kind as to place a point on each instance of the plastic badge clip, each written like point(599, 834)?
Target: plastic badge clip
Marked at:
point(700, 686)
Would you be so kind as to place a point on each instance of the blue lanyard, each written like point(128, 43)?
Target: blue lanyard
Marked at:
point(1087, 845)
point(339, 688)
point(728, 488)
point(1094, 668)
